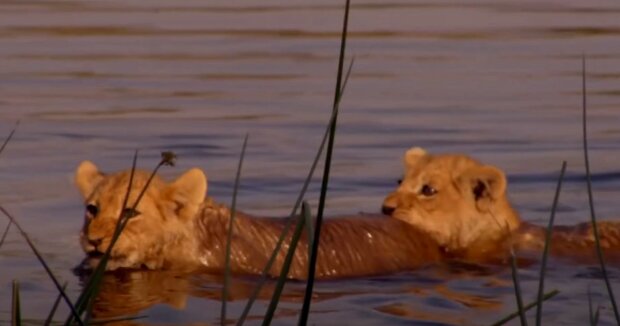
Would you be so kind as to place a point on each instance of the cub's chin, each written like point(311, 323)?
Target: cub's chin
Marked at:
point(92, 260)
point(88, 265)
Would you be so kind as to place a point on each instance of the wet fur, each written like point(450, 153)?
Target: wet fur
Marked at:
point(471, 217)
point(178, 228)
point(470, 204)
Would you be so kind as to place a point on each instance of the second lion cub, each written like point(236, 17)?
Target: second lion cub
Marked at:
point(463, 204)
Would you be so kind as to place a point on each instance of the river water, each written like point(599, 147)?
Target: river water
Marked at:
point(500, 80)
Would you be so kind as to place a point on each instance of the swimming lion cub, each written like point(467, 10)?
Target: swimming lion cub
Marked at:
point(463, 204)
point(176, 227)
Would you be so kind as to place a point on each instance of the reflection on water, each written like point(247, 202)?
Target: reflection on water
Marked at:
point(126, 293)
point(131, 293)
point(123, 294)
point(453, 295)
point(499, 80)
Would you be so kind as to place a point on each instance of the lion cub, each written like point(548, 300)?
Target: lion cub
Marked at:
point(457, 200)
point(463, 204)
point(176, 227)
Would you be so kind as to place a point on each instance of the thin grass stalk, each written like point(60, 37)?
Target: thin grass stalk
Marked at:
point(310, 232)
point(233, 211)
point(96, 276)
point(16, 317)
point(306, 214)
point(527, 307)
point(5, 233)
point(590, 310)
point(305, 310)
point(86, 300)
point(597, 313)
point(593, 314)
point(6, 141)
point(597, 240)
point(8, 138)
point(283, 235)
point(50, 316)
point(543, 265)
point(290, 220)
point(45, 266)
point(167, 158)
point(517, 286)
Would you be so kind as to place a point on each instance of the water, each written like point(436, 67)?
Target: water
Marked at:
point(499, 80)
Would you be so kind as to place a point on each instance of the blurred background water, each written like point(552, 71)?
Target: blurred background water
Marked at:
point(499, 80)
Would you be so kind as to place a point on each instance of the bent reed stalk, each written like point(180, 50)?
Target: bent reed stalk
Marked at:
point(543, 264)
point(290, 219)
point(597, 241)
point(6, 142)
point(233, 212)
point(88, 295)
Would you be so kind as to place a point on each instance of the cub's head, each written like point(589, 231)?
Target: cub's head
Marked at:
point(159, 227)
point(456, 199)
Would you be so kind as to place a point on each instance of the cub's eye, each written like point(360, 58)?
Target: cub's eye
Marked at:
point(399, 181)
point(92, 210)
point(428, 191)
point(129, 212)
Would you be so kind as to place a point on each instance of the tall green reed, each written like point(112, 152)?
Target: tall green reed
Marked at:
point(89, 292)
point(16, 315)
point(2, 147)
point(548, 235)
point(275, 299)
point(517, 286)
point(593, 314)
point(44, 263)
point(264, 273)
point(86, 299)
point(597, 240)
point(305, 310)
point(5, 233)
point(513, 265)
point(50, 315)
point(233, 211)
point(9, 137)
point(16, 311)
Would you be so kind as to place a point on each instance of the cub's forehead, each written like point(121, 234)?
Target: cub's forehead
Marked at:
point(446, 166)
point(113, 187)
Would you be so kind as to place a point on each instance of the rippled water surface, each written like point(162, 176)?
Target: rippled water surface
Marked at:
point(499, 80)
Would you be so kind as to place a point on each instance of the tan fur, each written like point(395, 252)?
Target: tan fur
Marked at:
point(572, 242)
point(471, 217)
point(177, 228)
point(469, 208)
point(159, 235)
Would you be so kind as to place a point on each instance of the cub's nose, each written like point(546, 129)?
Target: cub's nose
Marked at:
point(95, 242)
point(387, 210)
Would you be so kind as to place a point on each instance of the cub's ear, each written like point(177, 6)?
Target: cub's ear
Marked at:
point(87, 177)
point(189, 191)
point(486, 183)
point(413, 155)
